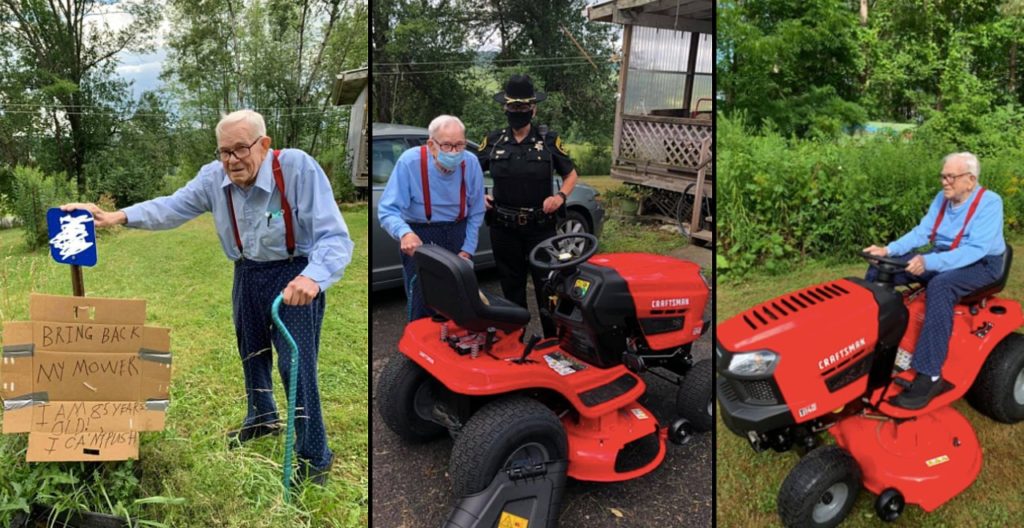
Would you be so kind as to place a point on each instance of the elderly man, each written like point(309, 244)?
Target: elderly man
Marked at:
point(965, 225)
point(277, 220)
point(435, 196)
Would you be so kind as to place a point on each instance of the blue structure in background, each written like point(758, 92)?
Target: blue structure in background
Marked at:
point(72, 237)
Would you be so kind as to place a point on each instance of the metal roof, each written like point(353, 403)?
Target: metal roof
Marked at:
point(681, 15)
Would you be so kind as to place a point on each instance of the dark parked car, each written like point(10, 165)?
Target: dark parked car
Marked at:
point(583, 212)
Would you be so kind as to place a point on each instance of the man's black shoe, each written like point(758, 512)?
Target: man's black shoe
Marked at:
point(921, 391)
point(307, 473)
point(239, 436)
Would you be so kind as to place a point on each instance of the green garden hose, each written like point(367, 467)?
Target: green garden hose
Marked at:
point(289, 438)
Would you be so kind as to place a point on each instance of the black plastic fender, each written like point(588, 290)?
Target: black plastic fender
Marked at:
point(527, 496)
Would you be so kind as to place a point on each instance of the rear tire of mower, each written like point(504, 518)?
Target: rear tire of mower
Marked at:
point(993, 391)
point(821, 489)
point(695, 400)
point(396, 395)
point(497, 431)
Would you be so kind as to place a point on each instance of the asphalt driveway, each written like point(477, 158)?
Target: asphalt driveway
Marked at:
point(410, 487)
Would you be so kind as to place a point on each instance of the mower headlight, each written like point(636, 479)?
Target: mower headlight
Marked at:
point(760, 364)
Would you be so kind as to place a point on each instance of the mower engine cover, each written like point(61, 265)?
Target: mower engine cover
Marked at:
point(804, 355)
point(617, 296)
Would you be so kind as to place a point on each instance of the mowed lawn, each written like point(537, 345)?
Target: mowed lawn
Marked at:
point(189, 477)
point(748, 482)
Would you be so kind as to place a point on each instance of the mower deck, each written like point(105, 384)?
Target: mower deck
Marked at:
point(930, 459)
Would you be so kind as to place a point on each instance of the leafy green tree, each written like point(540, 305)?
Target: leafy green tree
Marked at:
point(795, 64)
point(61, 60)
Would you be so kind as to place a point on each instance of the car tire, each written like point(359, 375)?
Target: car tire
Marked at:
point(821, 489)
point(501, 432)
point(403, 386)
point(573, 222)
point(695, 400)
point(998, 391)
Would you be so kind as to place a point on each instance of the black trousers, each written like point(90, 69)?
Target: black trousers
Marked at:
point(512, 247)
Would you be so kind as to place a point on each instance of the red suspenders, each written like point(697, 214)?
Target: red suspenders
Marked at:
point(289, 232)
point(425, 182)
point(970, 213)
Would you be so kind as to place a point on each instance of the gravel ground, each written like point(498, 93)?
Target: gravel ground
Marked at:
point(410, 487)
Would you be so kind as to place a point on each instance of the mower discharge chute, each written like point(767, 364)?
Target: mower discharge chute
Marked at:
point(511, 406)
point(830, 358)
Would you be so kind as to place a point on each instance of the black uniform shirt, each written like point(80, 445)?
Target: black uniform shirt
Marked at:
point(522, 171)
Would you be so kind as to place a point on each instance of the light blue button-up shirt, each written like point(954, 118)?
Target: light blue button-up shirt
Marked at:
point(983, 236)
point(402, 202)
point(320, 231)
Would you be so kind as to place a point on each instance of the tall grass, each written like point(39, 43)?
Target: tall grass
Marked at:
point(189, 477)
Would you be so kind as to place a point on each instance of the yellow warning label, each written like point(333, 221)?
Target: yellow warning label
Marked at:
point(512, 521)
point(937, 460)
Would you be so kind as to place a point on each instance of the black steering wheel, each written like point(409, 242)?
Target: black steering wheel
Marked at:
point(562, 255)
point(892, 265)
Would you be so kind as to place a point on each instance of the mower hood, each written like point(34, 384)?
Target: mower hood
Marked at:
point(812, 348)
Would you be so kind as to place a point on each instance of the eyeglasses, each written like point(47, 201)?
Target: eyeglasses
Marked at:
point(951, 177)
point(450, 147)
point(240, 153)
point(519, 106)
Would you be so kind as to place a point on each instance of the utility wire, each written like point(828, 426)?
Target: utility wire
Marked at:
point(524, 59)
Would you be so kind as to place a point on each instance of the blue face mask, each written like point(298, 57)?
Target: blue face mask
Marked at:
point(449, 160)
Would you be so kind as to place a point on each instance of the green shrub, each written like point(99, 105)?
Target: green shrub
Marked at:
point(34, 193)
point(782, 200)
point(592, 160)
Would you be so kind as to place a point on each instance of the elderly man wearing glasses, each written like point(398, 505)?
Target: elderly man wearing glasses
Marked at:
point(276, 218)
point(435, 195)
point(965, 226)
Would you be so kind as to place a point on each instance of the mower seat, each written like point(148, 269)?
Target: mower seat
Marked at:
point(449, 287)
point(994, 287)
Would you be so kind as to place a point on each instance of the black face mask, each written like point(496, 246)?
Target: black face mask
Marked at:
point(518, 120)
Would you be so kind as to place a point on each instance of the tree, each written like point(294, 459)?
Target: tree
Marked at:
point(794, 64)
point(63, 60)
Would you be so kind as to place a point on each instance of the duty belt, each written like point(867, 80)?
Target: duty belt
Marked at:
point(521, 216)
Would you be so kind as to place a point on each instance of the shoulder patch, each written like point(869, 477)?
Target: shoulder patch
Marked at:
point(558, 145)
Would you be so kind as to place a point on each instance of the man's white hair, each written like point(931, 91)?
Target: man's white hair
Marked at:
point(970, 160)
point(444, 121)
point(253, 119)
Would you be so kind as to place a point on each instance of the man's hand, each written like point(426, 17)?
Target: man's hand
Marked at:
point(877, 251)
point(465, 255)
point(488, 202)
point(101, 218)
point(301, 291)
point(552, 203)
point(410, 242)
point(916, 265)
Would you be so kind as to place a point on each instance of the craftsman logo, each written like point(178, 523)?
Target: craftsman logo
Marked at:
point(639, 413)
point(670, 303)
point(808, 410)
point(426, 357)
point(841, 355)
point(937, 460)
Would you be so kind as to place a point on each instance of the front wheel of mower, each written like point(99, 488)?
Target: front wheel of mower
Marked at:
point(889, 505)
point(820, 490)
point(695, 400)
point(998, 391)
point(504, 432)
point(405, 398)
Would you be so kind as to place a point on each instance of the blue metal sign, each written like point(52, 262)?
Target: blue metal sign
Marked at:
point(72, 236)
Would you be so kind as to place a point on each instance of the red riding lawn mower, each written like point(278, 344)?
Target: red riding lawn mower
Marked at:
point(831, 356)
point(525, 415)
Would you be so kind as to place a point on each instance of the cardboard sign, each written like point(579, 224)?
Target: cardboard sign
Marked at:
point(84, 377)
point(72, 236)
